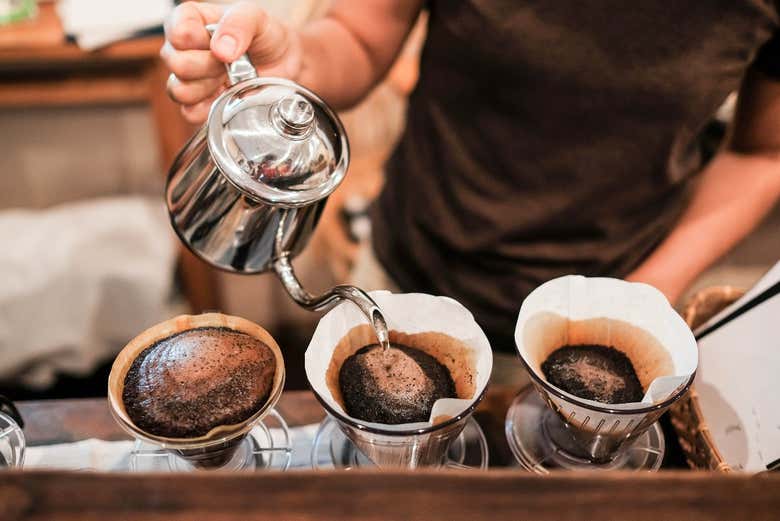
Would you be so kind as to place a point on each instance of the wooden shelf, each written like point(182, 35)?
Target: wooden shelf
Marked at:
point(43, 40)
point(75, 90)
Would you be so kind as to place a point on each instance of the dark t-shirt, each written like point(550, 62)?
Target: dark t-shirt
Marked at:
point(546, 138)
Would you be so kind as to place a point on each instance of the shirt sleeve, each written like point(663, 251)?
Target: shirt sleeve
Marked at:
point(768, 58)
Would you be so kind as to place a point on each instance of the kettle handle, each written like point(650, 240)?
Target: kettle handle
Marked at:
point(239, 70)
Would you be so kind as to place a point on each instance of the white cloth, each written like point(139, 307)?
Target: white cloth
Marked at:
point(79, 280)
point(110, 456)
point(95, 23)
point(91, 454)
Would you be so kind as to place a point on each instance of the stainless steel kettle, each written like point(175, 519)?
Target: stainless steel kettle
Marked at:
point(247, 190)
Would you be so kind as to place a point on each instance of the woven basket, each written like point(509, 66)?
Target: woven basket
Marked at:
point(687, 418)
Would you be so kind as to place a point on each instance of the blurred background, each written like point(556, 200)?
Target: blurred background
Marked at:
point(89, 258)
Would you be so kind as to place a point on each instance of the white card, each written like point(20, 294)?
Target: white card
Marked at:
point(739, 387)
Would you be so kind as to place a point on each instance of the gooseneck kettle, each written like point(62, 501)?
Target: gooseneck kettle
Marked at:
point(247, 190)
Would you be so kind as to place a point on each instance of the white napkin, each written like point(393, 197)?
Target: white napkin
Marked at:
point(91, 454)
point(114, 456)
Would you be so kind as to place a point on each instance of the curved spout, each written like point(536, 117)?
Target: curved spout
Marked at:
point(329, 299)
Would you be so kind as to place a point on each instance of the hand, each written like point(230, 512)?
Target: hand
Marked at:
point(197, 60)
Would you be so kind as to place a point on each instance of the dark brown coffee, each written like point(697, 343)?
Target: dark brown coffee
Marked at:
point(594, 372)
point(397, 386)
point(185, 385)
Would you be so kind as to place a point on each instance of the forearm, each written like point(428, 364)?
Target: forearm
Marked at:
point(734, 194)
point(345, 54)
point(335, 65)
point(341, 57)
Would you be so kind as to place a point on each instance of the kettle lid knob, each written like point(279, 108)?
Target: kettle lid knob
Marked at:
point(293, 116)
point(276, 141)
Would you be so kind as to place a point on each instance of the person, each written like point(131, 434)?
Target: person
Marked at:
point(543, 138)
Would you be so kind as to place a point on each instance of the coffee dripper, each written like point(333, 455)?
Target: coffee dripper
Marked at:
point(551, 428)
point(416, 320)
point(226, 447)
point(247, 190)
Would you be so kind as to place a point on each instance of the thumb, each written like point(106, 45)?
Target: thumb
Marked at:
point(238, 27)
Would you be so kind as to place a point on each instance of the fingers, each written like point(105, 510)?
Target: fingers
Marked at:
point(240, 24)
point(197, 59)
point(198, 75)
point(198, 112)
point(191, 65)
point(185, 27)
point(192, 92)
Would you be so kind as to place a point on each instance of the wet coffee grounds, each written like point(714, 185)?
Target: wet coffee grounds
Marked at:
point(399, 386)
point(594, 372)
point(185, 385)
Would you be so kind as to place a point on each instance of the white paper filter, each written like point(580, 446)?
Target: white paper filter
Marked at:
point(409, 313)
point(576, 310)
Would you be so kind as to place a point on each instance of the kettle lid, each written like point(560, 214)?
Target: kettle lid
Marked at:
point(277, 142)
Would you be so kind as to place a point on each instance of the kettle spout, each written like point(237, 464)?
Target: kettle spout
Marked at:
point(329, 299)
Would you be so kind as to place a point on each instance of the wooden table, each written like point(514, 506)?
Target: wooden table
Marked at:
point(40, 68)
point(367, 495)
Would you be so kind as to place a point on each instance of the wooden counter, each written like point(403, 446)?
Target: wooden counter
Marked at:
point(430, 495)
